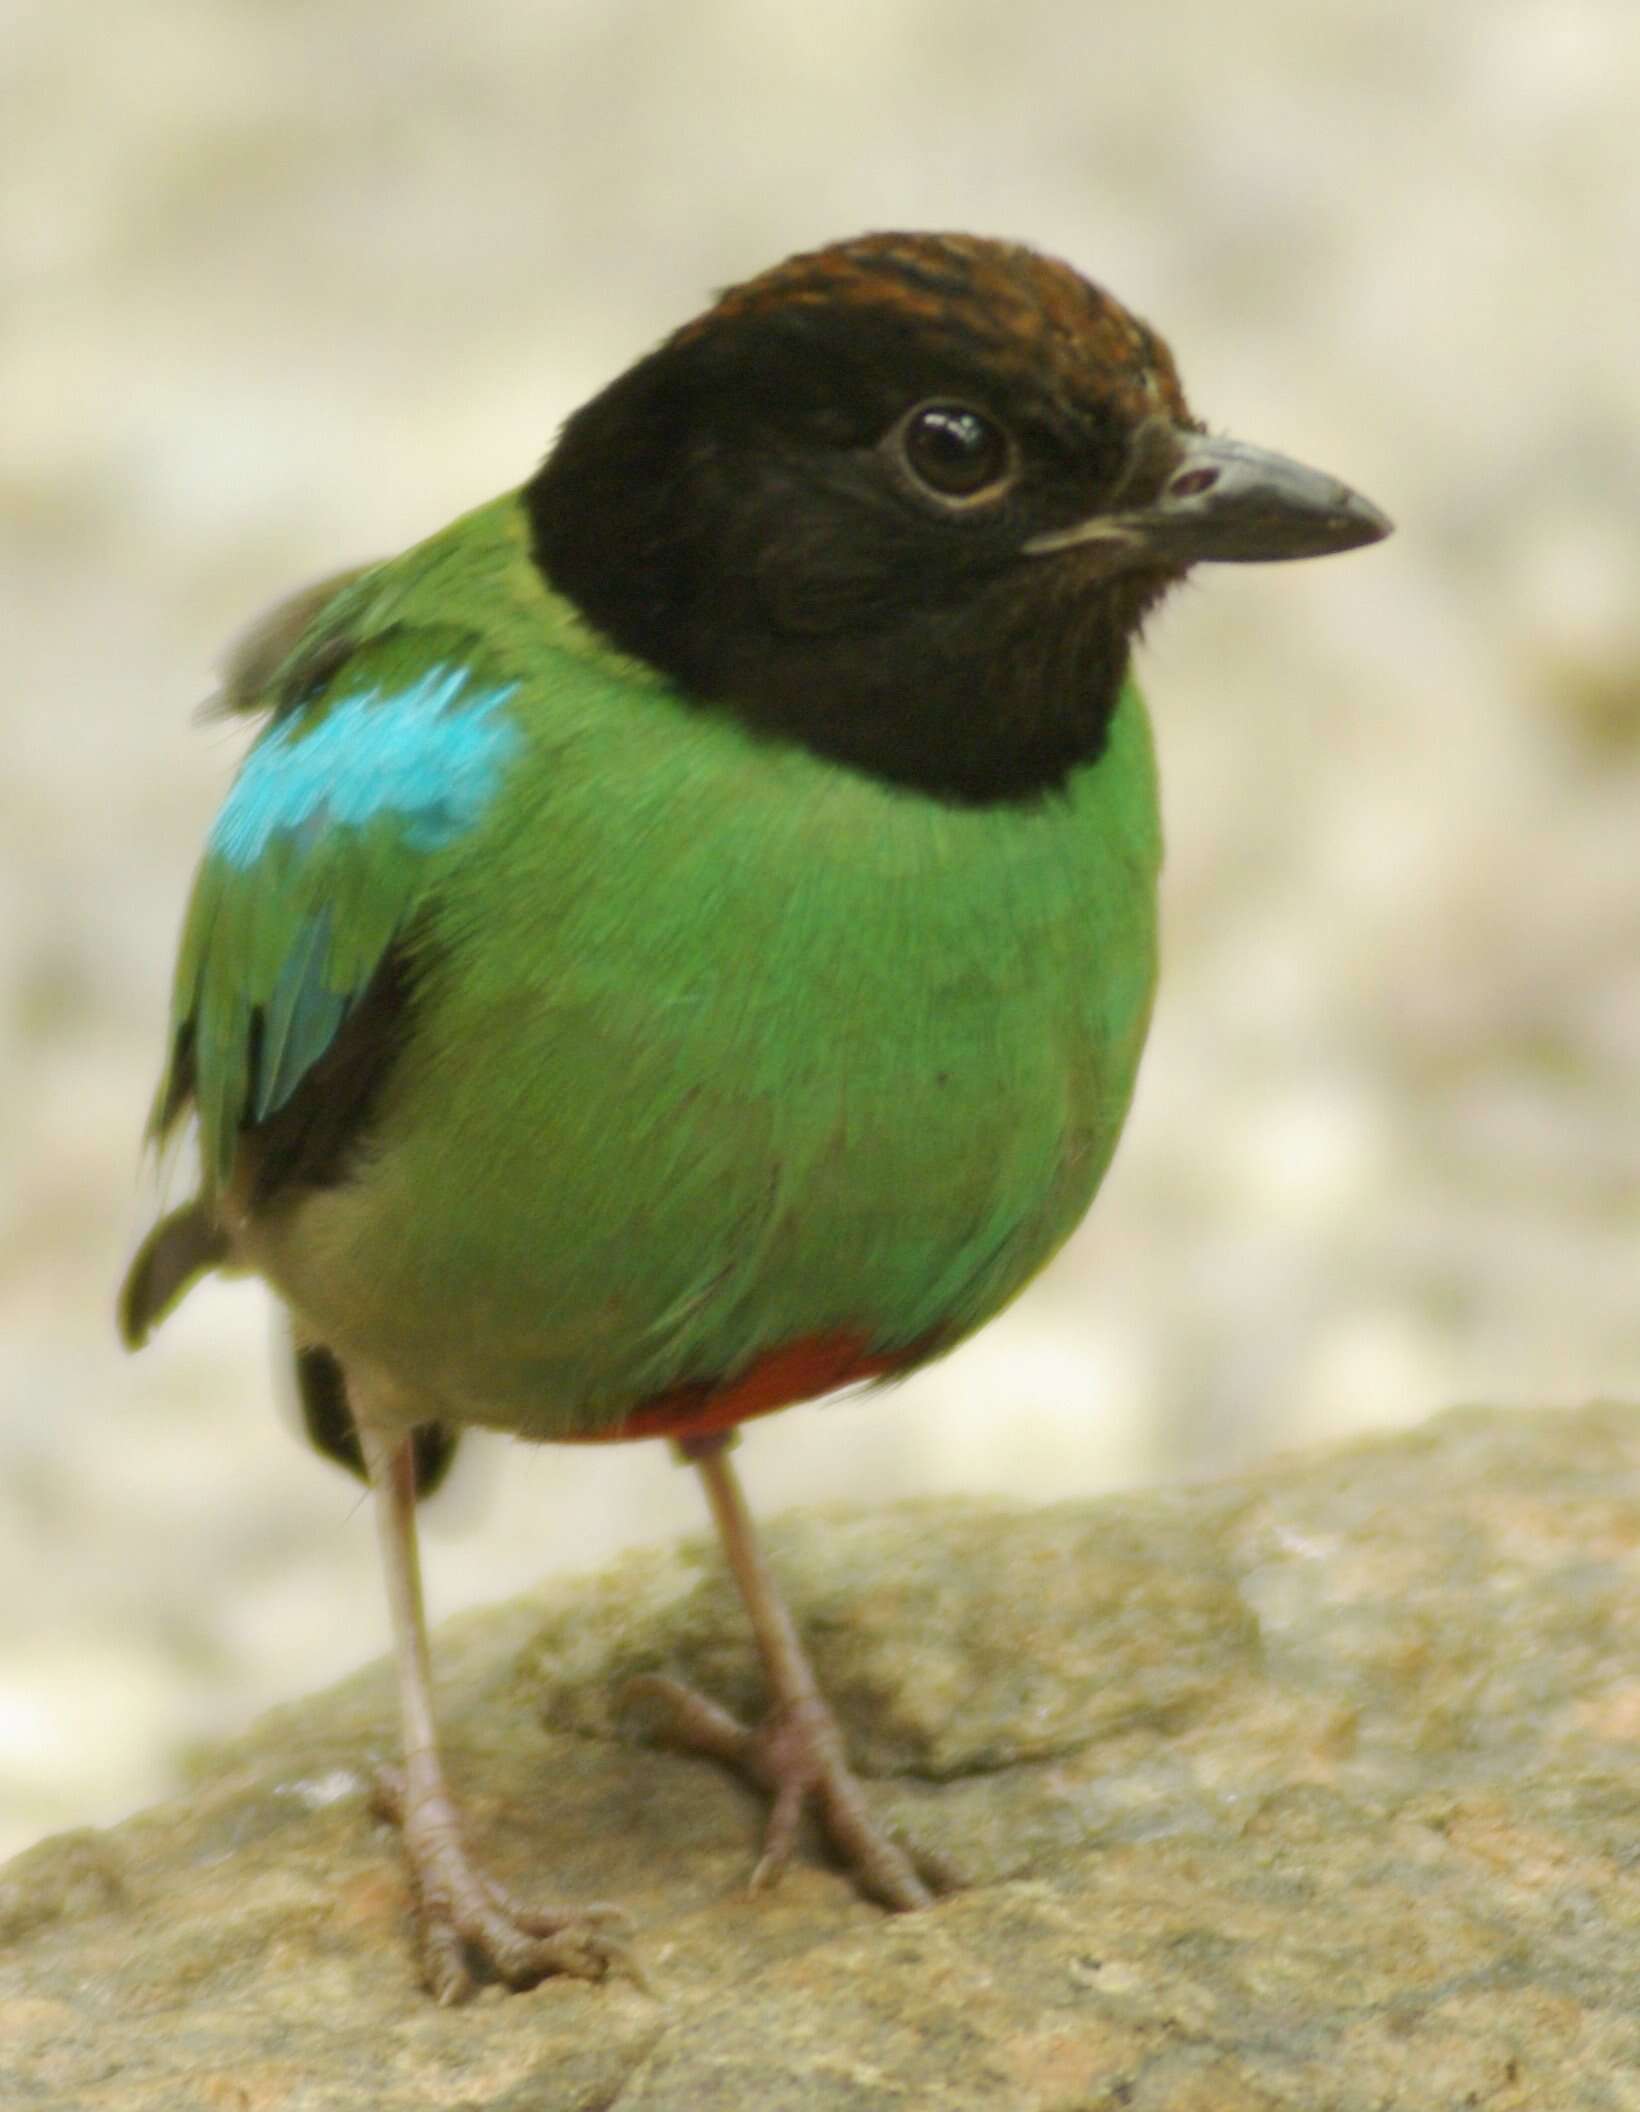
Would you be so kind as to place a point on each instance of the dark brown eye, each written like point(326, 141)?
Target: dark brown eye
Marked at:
point(954, 450)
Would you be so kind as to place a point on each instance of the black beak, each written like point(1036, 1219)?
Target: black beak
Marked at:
point(1223, 502)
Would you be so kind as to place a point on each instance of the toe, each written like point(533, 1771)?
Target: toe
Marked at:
point(780, 1834)
point(691, 1721)
point(444, 1962)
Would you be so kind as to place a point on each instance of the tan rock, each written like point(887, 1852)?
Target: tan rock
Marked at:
point(1318, 1790)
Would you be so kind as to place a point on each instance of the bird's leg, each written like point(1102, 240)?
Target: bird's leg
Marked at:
point(797, 1752)
point(463, 1916)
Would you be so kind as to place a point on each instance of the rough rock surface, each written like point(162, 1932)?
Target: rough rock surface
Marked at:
point(1317, 1790)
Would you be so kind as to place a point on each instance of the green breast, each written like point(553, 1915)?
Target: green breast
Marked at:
point(718, 1045)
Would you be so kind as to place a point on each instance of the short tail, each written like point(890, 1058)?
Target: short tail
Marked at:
point(321, 1395)
point(179, 1249)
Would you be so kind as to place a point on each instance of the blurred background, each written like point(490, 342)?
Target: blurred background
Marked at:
point(282, 288)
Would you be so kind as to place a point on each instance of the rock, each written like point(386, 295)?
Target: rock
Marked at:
point(1318, 1790)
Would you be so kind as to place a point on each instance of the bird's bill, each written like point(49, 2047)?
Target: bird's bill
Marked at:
point(1224, 502)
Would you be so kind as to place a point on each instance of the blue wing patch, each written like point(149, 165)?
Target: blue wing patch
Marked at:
point(318, 863)
point(431, 756)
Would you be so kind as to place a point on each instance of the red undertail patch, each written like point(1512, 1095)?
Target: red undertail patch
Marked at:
point(799, 1371)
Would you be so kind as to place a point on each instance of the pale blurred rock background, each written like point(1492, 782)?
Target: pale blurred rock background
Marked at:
point(284, 287)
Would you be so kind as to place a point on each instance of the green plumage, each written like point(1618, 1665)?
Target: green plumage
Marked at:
point(685, 935)
point(714, 1044)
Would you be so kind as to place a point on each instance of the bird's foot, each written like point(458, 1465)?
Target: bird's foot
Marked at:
point(797, 1756)
point(469, 1925)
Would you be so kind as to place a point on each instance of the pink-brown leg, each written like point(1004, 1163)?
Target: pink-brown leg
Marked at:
point(797, 1752)
point(464, 1917)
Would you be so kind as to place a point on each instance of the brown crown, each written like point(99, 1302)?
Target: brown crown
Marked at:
point(1033, 318)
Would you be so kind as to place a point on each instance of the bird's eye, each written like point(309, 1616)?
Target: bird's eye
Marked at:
point(955, 451)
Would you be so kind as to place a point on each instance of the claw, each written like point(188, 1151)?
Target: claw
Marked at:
point(465, 1919)
point(797, 1756)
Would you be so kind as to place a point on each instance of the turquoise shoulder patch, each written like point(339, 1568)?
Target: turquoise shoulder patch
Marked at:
point(429, 756)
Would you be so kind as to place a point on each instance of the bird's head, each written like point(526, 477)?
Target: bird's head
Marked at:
point(907, 500)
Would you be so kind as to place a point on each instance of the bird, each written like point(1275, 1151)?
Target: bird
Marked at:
point(681, 939)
